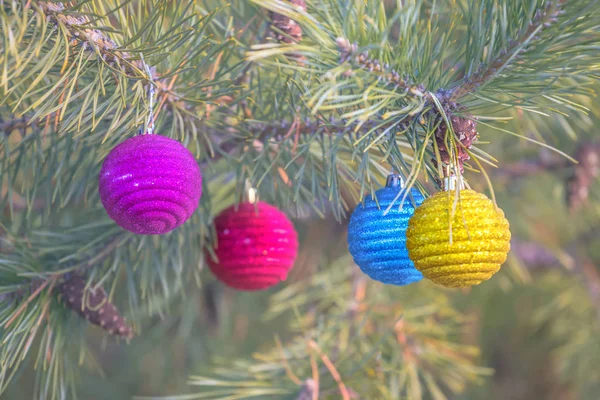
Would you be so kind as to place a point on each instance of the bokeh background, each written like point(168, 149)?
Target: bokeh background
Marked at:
point(532, 332)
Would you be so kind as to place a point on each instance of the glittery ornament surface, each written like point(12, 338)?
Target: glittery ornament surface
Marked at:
point(377, 241)
point(150, 184)
point(480, 239)
point(256, 246)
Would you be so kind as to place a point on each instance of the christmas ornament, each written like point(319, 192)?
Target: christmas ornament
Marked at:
point(377, 241)
point(150, 184)
point(93, 305)
point(464, 253)
point(256, 246)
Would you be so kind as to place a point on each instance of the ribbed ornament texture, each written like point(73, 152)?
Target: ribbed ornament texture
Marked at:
point(377, 242)
point(150, 184)
point(480, 239)
point(256, 246)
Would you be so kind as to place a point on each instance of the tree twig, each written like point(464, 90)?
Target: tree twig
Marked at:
point(37, 283)
point(332, 369)
point(487, 73)
point(349, 53)
point(288, 369)
point(14, 124)
point(80, 32)
point(29, 299)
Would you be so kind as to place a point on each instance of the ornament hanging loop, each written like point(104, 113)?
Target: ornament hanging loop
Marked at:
point(150, 122)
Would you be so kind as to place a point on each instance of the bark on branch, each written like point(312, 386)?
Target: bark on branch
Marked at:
point(81, 34)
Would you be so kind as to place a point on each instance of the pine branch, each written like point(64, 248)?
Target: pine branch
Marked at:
point(108, 50)
point(349, 53)
point(108, 248)
point(28, 315)
point(14, 124)
point(486, 73)
point(92, 39)
point(93, 84)
point(330, 349)
point(281, 130)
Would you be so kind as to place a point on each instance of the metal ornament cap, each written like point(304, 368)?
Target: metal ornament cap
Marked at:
point(480, 238)
point(150, 184)
point(377, 241)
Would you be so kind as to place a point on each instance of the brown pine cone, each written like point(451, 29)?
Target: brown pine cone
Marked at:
point(465, 130)
point(93, 305)
point(288, 30)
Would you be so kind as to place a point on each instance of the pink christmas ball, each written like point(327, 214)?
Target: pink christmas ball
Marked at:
point(256, 246)
point(150, 184)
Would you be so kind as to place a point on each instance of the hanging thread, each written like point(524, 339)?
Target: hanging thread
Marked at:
point(150, 122)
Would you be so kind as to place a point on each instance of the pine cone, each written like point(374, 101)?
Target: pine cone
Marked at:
point(288, 30)
point(465, 130)
point(584, 175)
point(94, 306)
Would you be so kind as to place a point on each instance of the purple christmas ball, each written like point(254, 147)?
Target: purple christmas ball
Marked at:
point(150, 184)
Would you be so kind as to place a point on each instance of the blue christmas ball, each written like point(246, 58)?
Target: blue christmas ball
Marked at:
point(377, 241)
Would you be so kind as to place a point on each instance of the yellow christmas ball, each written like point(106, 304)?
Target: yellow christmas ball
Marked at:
point(464, 252)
